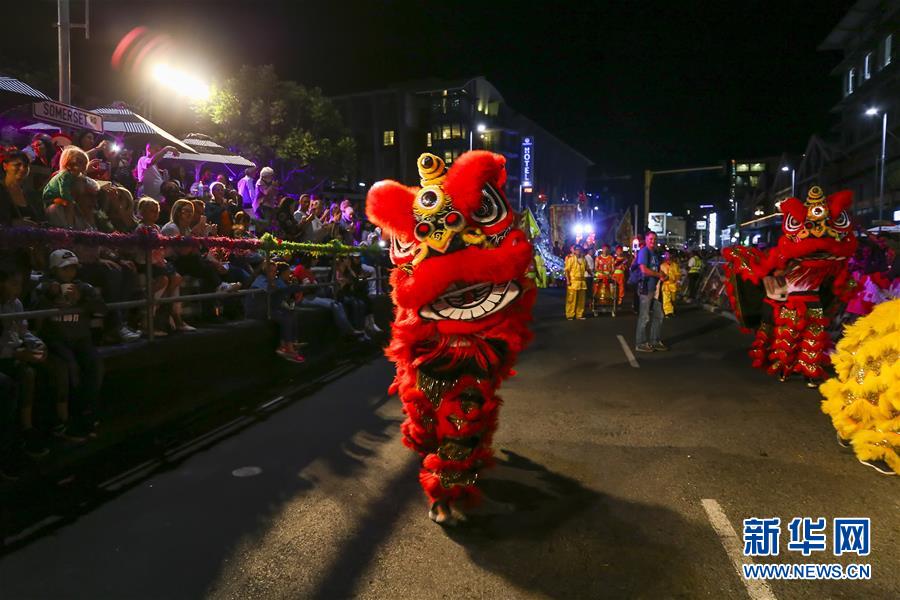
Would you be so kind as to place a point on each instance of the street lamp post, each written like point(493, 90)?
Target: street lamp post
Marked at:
point(481, 127)
point(872, 112)
point(793, 178)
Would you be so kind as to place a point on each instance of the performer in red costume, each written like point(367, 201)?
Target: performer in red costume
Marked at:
point(809, 262)
point(462, 307)
point(603, 274)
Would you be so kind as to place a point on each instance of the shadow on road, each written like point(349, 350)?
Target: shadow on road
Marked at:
point(560, 539)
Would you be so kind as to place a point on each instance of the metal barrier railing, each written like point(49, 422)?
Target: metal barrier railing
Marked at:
point(150, 302)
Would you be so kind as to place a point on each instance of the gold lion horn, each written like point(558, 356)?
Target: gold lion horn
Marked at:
point(431, 169)
point(815, 193)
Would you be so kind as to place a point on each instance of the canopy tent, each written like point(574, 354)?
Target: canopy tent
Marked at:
point(208, 151)
point(14, 92)
point(119, 119)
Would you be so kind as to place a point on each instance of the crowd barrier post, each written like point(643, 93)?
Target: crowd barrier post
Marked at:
point(148, 281)
point(268, 290)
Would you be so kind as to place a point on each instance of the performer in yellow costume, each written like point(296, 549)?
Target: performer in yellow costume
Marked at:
point(603, 272)
point(863, 401)
point(620, 267)
point(576, 286)
point(670, 285)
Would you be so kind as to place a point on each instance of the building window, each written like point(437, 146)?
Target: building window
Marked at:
point(448, 157)
point(388, 138)
point(445, 132)
point(455, 130)
point(428, 139)
point(742, 168)
point(757, 167)
point(867, 66)
point(754, 180)
point(886, 49)
point(850, 81)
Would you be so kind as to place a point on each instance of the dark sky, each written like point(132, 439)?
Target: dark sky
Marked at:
point(631, 84)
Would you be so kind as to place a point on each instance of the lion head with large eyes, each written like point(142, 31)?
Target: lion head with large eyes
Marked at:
point(820, 225)
point(460, 260)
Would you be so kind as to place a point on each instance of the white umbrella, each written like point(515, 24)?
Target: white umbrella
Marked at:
point(119, 119)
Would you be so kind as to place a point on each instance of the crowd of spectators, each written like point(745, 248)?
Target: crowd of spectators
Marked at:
point(89, 184)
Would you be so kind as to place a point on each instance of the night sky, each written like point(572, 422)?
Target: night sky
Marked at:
point(631, 85)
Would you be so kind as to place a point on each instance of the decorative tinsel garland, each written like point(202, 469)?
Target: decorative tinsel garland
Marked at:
point(14, 237)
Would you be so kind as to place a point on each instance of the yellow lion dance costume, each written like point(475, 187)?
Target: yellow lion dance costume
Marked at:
point(863, 401)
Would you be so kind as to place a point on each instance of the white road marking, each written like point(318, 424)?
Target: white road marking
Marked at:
point(758, 589)
point(246, 472)
point(628, 353)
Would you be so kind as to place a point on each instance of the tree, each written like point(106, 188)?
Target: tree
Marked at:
point(283, 124)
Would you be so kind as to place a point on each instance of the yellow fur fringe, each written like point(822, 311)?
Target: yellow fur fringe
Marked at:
point(863, 401)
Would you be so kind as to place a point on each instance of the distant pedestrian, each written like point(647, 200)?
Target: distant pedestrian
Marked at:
point(695, 268)
point(576, 285)
point(650, 311)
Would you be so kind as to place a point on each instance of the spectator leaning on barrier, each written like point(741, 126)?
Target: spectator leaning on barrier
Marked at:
point(18, 207)
point(20, 351)
point(303, 276)
point(275, 278)
point(166, 280)
point(68, 337)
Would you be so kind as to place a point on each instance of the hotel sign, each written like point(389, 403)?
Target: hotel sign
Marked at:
point(63, 114)
point(527, 161)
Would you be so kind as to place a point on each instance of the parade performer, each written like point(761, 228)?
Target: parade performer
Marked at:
point(620, 268)
point(863, 400)
point(462, 307)
point(781, 290)
point(576, 286)
point(670, 285)
point(603, 274)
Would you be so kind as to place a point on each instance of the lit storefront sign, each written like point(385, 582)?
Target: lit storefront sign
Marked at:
point(713, 229)
point(527, 162)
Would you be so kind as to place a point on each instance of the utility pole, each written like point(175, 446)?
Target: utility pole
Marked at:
point(64, 27)
point(648, 180)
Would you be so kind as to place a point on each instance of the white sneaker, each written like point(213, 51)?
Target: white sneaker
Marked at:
point(128, 335)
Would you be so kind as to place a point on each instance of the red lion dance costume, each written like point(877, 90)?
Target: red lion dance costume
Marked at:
point(799, 276)
point(463, 304)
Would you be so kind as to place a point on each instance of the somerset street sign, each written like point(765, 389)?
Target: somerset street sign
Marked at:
point(63, 114)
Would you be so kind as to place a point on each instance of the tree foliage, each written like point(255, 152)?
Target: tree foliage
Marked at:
point(294, 129)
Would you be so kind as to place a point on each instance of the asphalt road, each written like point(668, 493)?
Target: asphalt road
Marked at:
point(597, 494)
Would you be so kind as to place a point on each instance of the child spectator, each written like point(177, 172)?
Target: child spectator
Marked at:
point(276, 278)
point(166, 280)
point(20, 350)
point(68, 336)
point(73, 163)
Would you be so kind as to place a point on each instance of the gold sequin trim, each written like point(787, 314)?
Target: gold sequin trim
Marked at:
point(434, 389)
point(451, 478)
point(454, 450)
point(789, 313)
point(816, 313)
point(457, 422)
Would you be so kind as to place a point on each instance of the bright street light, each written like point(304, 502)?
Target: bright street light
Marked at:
point(181, 82)
point(481, 128)
point(785, 168)
point(871, 112)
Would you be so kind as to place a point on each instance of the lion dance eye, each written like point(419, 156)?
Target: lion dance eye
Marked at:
point(842, 221)
point(492, 209)
point(792, 225)
point(818, 212)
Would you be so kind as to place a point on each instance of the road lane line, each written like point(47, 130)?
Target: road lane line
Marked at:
point(758, 589)
point(628, 353)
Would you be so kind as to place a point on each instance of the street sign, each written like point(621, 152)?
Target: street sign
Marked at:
point(656, 222)
point(527, 161)
point(63, 114)
point(701, 226)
